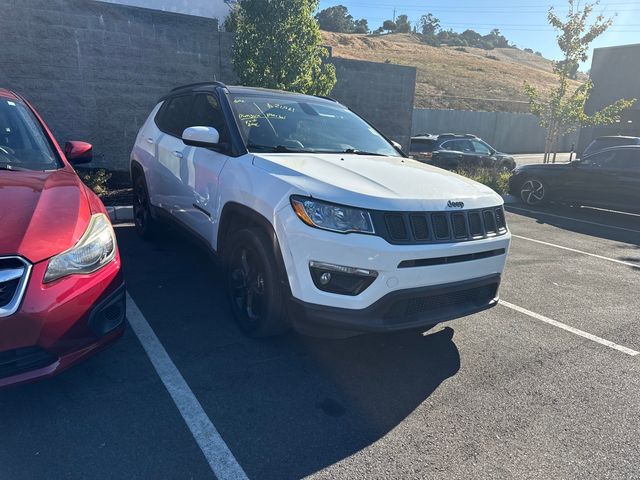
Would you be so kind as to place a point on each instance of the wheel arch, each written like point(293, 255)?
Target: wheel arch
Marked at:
point(236, 216)
point(136, 169)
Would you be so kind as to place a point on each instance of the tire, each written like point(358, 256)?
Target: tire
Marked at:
point(533, 192)
point(146, 225)
point(257, 297)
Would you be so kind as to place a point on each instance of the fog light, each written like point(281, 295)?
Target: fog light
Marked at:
point(341, 279)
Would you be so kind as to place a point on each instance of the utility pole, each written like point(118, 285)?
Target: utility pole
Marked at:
point(394, 15)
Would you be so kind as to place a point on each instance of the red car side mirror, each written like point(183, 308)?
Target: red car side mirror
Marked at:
point(78, 152)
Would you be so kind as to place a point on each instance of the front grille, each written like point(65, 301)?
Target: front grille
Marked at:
point(436, 304)
point(396, 227)
point(14, 273)
point(420, 227)
point(8, 290)
point(20, 360)
point(406, 228)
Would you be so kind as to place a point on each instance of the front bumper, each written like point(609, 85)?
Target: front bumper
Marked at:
point(402, 310)
point(405, 273)
point(61, 323)
point(301, 244)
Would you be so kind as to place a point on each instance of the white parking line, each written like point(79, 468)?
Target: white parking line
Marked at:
point(509, 207)
point(609, 259)
point(576, 331)
point(220, 459)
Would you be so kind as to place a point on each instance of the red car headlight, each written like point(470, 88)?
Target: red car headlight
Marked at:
point(94, 250)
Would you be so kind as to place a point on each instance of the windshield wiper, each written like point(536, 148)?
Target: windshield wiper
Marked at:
point(277, 148)
point(13, 169)
point(354, 151)
point(350, 151)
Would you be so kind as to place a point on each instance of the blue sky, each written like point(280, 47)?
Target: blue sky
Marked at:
point(523, 22)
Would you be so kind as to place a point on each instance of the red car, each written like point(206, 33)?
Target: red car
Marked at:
point(62, 293)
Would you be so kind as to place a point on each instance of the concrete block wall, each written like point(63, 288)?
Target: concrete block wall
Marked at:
point(94, 70)
point(614, 72)
point(382, 93)
point(507, 132)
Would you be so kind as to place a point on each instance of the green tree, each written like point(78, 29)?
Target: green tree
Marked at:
point(231, 22)
point(389, 26)
point(278, 45)
point(563, 111)
point(495, 39)
point(429, 25)
point(336, 19)
point(403, 25)
point(361, 26)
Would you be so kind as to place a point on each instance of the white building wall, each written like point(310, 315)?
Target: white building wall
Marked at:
point(202, 8)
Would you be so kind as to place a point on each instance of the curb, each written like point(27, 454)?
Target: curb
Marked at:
point(120, 214)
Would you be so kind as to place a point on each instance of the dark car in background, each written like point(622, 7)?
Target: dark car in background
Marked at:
point(600, 143)
point(608, 178)
point(454, 151)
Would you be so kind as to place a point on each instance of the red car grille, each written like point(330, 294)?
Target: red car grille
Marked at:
point(14, 273)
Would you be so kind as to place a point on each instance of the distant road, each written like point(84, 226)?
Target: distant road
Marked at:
point(525, 159)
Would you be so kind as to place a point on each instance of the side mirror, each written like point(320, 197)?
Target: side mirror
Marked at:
point(78, 152)
point(396, 144)
point(207, 137)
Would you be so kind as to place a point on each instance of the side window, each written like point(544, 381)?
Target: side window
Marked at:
point(173, 116)
point(419, 146)
point(480, 147)
point(601, 159)
point(458, 145)
point(207, 112)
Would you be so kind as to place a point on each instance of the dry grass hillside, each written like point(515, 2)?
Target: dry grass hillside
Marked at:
point(448, 77)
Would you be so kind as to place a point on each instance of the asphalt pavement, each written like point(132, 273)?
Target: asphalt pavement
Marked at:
point(534, 388)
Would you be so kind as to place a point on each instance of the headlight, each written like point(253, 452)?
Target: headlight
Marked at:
point(329, 216)
point(95, 249)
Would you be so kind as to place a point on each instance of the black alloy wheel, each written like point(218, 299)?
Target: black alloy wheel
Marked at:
point(256, 295)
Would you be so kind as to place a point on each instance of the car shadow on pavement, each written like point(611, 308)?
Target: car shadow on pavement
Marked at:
point(625, 226)
point(287, 406)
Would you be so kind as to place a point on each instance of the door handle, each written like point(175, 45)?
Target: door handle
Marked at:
point(177, 154)
point(150, 140)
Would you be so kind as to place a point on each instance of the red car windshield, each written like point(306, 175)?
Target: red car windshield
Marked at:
point(23, 144)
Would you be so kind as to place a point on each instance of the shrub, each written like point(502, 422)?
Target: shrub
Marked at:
point(493, 178)
point(493, 57)
point(96, 180)
point(460, 49)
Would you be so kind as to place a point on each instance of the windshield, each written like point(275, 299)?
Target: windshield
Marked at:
point(23, 145)
point(277, 124)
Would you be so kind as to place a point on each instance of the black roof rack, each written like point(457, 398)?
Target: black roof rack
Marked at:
point(457, 135)
point(199, 84)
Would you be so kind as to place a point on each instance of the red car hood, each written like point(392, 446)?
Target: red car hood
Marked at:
point(41, 213)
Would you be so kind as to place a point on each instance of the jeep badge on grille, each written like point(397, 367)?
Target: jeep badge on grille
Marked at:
point(451, 204)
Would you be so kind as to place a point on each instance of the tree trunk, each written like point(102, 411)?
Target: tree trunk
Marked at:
point(547, 144)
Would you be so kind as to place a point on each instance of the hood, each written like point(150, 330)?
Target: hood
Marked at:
point(380, 183)
point(41, 213)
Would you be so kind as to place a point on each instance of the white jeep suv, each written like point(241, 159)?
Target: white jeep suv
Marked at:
point(322, 223)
